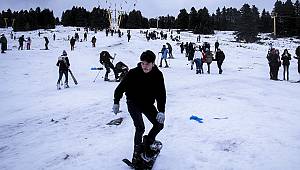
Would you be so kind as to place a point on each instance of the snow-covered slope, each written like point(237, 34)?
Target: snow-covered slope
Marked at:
point(249, 121)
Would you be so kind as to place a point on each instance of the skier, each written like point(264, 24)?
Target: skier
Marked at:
point(54, 37)
point(63, 64)
point(105, 61)
point(46, 43)
point(286, 57)
point(164, 52)
point(220, 57)
point(3, 42)
point(94, 41)
point(143, 86)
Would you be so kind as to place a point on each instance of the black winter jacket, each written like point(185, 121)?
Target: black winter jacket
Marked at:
point(142, 89)
point(63, 63)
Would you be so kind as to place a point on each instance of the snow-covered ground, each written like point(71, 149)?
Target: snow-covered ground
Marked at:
point(249, 121)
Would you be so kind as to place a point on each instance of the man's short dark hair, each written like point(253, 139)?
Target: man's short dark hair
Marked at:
point(148, 56)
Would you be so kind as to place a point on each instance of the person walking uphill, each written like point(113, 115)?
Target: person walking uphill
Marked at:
point(63, 64)
point(143, 85)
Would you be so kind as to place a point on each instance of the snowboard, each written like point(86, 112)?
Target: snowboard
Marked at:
point(145, 165)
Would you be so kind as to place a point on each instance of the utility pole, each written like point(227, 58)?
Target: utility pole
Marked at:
point(274, 15)
point(5, 20)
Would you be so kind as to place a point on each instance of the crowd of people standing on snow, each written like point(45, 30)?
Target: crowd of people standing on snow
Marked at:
point(275, 62)
point(196, 54)
point(200, 54)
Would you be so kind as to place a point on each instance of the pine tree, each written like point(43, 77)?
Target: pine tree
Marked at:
point(297, 13)
point(265, 24)
point(193, 19)
point(248, 27)
point(182, 20)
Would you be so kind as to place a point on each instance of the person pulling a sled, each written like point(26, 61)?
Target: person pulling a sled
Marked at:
point(143, 85)
point(63, 64)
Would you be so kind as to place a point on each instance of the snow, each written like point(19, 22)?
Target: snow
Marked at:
point(249, 121)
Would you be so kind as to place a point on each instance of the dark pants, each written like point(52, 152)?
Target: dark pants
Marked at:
point(220, 67)
point(20, 46)
point(61, 72)
point(274, 71)
point(160, 64)
point(136, 115)
point(208, 68)
point(109, 66)
point(299, 66)
point(286, 72)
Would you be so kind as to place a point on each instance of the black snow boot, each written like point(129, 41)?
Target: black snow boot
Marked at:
point(148, 153)
point(136, 157)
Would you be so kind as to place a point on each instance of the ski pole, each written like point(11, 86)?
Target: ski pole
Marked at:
point(113, 58)
point(97, 76)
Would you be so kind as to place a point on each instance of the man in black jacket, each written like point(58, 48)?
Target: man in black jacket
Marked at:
point(143, 86)
point(220, 57)
point(63, 64)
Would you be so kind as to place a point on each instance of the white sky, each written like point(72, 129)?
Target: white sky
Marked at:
point(148, 8)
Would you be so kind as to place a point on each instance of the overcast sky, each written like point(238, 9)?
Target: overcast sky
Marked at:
point(149, 8)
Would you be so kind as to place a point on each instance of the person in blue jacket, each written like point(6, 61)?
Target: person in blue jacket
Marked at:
point(164, 52)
